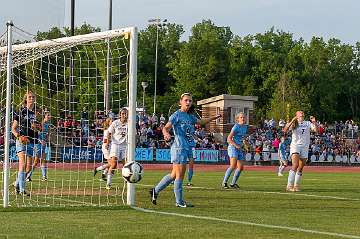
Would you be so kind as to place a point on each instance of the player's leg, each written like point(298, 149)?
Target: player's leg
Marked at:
point(238, 170)
point(29, 165)
point(237, 173)
point(233, 154)
point(179, 171)
point(282, 166)
point(43, 165)
point(295, 158)
point(298, 175)
point(167, 179)
point(190, 172)
point(105, 166)
point(114, 155)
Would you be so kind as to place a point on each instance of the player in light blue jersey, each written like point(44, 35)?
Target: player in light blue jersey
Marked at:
point(39, 149)
point(235, 151)
point(282, 156)
point(182, 122)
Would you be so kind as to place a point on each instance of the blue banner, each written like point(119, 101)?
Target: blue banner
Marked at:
point(144, 154)
point(80, 154)
point(206, 155)
point(163, 155)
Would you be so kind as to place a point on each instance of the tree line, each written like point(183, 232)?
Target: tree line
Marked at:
point(319, 77)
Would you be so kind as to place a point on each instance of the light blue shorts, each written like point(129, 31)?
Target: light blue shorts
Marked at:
point(235, 153)
point(28, 149)
point(180, 155)
point(39, 150)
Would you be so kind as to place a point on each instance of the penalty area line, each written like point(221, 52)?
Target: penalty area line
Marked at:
point(247, 223)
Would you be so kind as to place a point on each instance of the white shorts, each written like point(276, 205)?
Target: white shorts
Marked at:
point(302, 150)
point(119, 151)
point(105, 151)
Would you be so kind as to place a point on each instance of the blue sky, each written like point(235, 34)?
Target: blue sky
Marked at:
point(305, 18)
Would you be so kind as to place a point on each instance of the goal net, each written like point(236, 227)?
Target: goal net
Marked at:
point(78, 83)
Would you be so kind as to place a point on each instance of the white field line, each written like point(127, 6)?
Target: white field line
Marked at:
point(334, 234)
point(279, 193)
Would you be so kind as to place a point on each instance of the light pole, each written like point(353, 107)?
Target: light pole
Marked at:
point(144, 84)
point(157, 22)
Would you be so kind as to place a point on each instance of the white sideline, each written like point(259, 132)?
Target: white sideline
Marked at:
point(269, 192)
point(248, 223)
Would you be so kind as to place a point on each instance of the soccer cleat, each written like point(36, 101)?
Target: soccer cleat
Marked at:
point(28, 179)
point(280, 174)
point(153, 195)
point(225, 186)
point(296, 188)
point(189, 184)
point(95, 171)
point(24, 193)
point(108, 187)
point(234, 186)
point(184, 204)
point(289, 188)
point(44, 179)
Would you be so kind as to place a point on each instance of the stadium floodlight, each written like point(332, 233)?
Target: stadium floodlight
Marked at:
point(44, 68)
point(144, 84)
point(157, 22)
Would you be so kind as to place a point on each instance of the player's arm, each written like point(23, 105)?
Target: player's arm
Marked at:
point(289, 125)
point(14, 129)
point(314, 126)
point(230, 140)
point(204, 121)
point(107, 138)
point(166, 131)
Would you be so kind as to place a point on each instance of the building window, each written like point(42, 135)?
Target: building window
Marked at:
point(217, 113)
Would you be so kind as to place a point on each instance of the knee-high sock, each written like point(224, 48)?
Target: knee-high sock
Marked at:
point(43, 170)
point(298, 178)
point(164, 182)
point(227, 174)
point(109, 178)
point(21, 180)
point(281, 169)
point(236, 176)
point(178, 190)
point(190, 174)
point(291, 178)
point(29, 174)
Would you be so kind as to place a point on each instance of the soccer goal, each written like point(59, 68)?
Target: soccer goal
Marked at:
point(78, 82)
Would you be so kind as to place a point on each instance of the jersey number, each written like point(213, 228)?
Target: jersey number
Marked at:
point(303, 130)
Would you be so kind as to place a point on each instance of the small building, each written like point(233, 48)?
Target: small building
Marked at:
point(228, 106)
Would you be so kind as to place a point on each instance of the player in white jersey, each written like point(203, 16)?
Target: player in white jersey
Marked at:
point(117, 137)
point(299, 147)
point(106, 152)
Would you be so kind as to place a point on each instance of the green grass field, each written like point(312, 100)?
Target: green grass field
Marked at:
point(329, 203)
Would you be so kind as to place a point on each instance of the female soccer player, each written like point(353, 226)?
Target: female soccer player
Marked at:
point(24, 128)
point(39, 149)
point(282, 156)
point(182, 122)
point(117, 136)
point(105, 149)
point(235, 151)
point(299, 147)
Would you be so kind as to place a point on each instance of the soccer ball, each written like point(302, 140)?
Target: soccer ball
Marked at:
point(132, 172)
